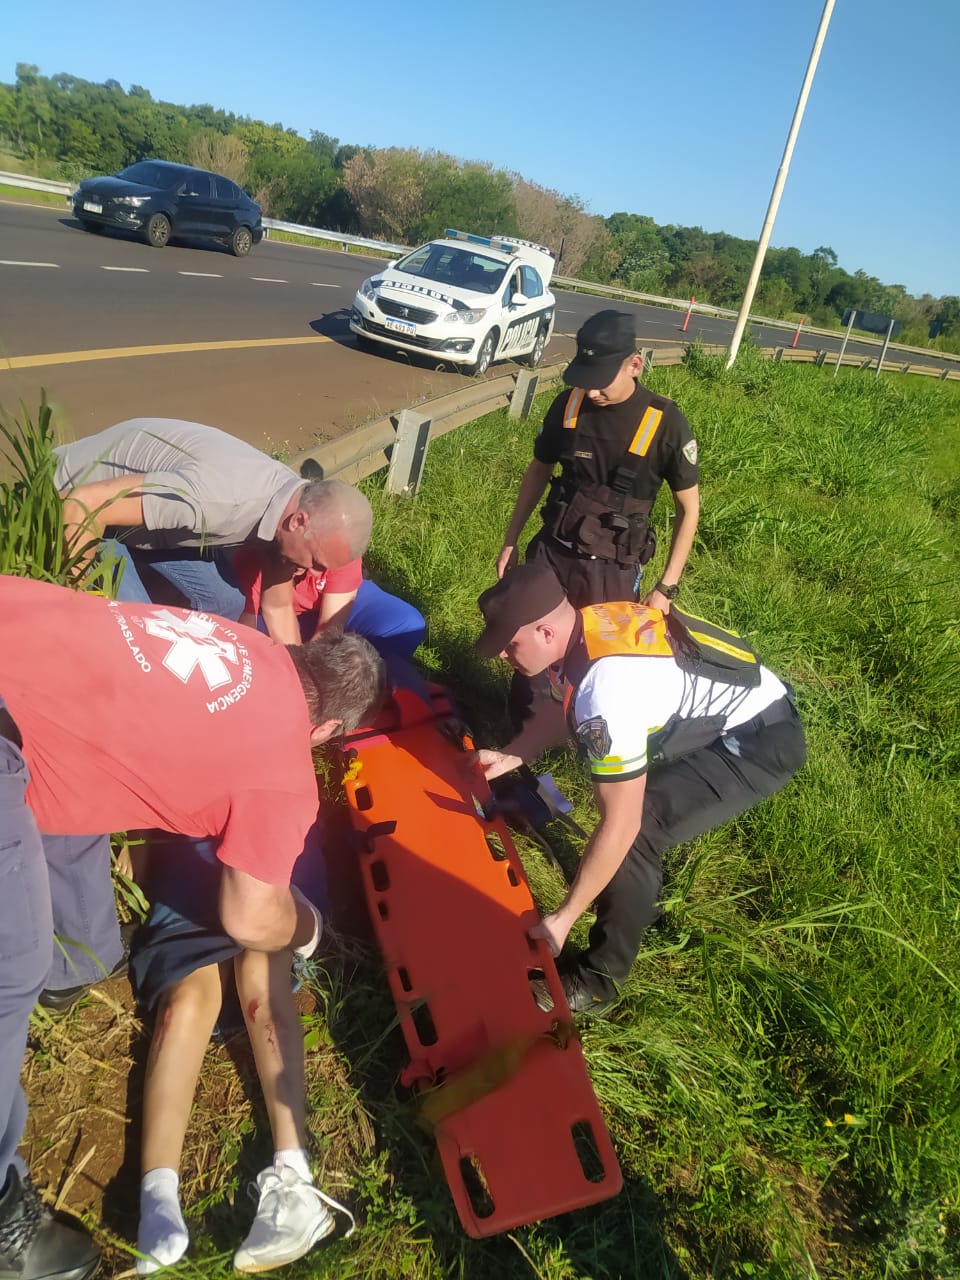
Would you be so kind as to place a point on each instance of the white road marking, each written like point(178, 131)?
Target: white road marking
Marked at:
point(10, 262)
point(208, 275)
point(144, 269)
point(319, 284)
point(268, 280)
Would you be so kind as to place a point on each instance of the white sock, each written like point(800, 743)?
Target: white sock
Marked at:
point(162, 1234)
point(294, 1158)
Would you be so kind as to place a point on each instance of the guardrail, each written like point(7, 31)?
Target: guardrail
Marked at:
point(565, 282)
point(369, 448)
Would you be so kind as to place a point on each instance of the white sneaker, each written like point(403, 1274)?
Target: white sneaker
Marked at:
point(292, 1215)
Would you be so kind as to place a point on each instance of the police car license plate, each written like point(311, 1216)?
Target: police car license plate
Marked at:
point(91, 207)
point(400, 326)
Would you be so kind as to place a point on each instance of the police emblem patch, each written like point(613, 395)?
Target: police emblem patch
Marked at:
point(595, 736)
point(690, 452)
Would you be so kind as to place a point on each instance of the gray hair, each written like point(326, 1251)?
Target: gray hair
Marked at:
point(343, 678)
point(337, 510)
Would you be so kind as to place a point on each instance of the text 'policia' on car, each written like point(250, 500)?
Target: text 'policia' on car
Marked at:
point(467, 299)
point(159, 200)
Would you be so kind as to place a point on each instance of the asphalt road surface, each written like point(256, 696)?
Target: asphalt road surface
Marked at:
point(260, 345)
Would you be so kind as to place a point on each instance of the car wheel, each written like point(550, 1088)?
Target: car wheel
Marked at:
point(533, 358)
point(241, 242)
point(157, 231)
point(484, 355)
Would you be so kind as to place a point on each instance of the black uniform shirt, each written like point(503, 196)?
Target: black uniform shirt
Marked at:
point(672, 455)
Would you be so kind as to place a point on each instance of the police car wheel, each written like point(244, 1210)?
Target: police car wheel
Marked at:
point(536, 355)
point(484, 356)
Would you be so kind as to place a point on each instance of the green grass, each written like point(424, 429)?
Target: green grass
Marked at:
point(31, 197)
point(780, 1076)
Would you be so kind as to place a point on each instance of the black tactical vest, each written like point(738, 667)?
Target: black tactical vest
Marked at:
point(603, 520)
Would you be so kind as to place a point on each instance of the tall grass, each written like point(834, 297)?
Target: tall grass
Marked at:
point(780, 1075)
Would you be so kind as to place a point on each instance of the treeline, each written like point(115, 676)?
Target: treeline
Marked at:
point(405, 195)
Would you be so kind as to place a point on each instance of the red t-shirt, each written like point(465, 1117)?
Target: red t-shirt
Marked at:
point(308, 587)
point(143, 716)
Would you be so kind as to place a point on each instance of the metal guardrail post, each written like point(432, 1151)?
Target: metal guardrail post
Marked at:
point(646, 355)
point(409, 453)
point(521, 401)
point(777, 354)
point(820, 357)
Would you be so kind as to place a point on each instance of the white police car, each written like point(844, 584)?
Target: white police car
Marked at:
point(467, 300)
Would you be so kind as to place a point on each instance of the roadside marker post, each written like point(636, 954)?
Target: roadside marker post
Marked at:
point(686, 319)
point(796, 336)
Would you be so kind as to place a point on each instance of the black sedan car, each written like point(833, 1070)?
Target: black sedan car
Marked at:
point(158, 200)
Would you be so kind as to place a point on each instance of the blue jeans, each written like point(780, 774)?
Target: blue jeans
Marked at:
point(202, 577)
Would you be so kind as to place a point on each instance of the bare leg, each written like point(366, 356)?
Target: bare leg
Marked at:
point(263, 982)
point(185, 1019)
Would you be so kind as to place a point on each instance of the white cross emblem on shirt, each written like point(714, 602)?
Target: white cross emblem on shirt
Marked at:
point(193, 645)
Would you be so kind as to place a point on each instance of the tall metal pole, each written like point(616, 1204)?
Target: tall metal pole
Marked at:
point(886, 343)
point(846, 339)
point(782, 172)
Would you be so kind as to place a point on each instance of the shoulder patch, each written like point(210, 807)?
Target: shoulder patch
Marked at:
point(690, 452)
point(595, 736)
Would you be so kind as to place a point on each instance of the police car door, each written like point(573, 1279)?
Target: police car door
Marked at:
point(521, 321)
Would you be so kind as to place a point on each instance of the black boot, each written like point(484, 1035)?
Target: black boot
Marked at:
point(35, 1243)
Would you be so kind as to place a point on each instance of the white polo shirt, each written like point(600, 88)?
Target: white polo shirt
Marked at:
point(622, 700)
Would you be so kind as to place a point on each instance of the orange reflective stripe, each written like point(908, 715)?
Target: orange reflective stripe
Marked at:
point(572, 411)
point(647, 429)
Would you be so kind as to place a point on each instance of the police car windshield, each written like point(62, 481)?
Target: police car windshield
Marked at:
point(459, 267)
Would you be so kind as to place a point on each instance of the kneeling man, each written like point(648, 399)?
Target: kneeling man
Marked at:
point(676, 744)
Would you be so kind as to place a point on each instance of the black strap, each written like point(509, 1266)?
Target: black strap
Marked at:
point(8, 728)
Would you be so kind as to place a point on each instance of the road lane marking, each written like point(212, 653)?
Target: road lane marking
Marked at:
point(167, 349)
point(146, 269)
point(268, 280)
point(209, 275)
point(320, 284)
point(11, 262)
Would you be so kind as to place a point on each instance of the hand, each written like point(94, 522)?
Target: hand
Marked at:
point(553, 928)
point(507, 559)
point(655, 599)
point(494, 763)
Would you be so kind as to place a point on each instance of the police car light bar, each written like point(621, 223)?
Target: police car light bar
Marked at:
point(505, 244)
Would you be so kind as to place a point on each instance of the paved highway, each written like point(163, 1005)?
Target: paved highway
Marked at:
point(258, 345)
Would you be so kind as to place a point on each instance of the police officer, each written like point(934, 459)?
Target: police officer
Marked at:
point(615, 443)
point(676, 742)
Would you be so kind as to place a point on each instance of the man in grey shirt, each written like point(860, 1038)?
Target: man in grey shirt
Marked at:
point(182, 492)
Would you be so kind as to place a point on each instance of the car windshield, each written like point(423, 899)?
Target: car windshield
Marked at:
point(449, 265)
point(147, 173)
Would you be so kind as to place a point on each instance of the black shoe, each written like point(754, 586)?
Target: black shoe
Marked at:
point(35, 1243)
point(60, 999)
point(579, 997)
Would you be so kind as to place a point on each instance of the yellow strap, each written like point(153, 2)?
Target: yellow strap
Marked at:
point(572, 411)
point(714, 642)
point(494, 1069)
point(647, 429)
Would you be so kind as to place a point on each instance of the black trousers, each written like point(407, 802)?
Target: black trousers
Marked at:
point(684, 800)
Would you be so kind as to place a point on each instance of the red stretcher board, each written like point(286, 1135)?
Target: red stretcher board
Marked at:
point(504, 1085)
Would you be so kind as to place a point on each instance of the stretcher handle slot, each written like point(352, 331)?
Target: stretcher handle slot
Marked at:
point(475, 1185)
point(588, 1153)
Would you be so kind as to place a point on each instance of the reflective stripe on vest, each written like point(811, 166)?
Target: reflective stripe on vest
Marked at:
point(572, 411)
point(642, 440)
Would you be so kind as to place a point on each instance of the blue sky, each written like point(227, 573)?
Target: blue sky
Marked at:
point(678, 111)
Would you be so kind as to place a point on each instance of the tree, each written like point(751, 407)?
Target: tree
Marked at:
point(223, 153)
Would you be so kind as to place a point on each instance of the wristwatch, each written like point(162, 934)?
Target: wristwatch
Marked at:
point(671, 592)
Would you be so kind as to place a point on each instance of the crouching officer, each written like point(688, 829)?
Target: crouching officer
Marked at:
point(682, 728)
point(615, 443)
